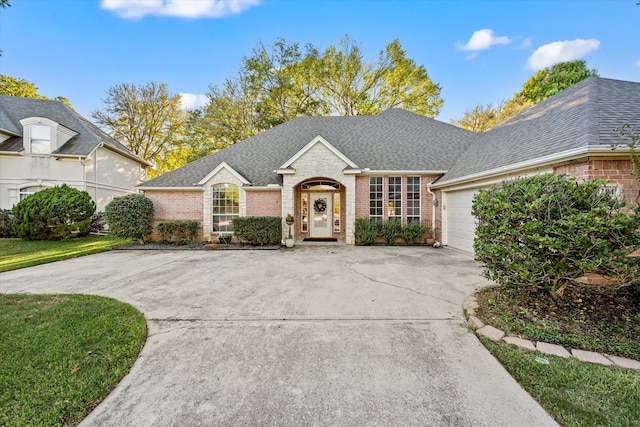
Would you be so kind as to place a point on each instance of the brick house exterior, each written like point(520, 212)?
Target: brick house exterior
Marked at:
point(329, 171)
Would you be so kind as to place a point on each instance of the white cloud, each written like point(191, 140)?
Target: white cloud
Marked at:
point(526, 43)
point(482, 39)
point(191, 101)
point(133, 9)
point(561, 51)
point(637, 63)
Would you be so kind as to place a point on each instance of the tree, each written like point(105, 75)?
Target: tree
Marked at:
point(280, 82)
point(11, 86)
point(53, 213)
point(551, 80)
point(543, 84)
point(146, 118)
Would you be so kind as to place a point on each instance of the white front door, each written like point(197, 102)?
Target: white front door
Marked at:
point(321, 218)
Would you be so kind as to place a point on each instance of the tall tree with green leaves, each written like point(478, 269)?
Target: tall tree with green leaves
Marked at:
point(543, 84)
point(12, 86)
point(551, 80)
point(282, 81)
point(148, 119)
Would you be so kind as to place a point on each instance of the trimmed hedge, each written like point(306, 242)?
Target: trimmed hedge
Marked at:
point(130, 217)
point(53, 213)
point(258, 230)
point(368, 231)
point(177, 231)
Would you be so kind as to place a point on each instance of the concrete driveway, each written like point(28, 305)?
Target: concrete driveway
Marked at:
point(317, 335)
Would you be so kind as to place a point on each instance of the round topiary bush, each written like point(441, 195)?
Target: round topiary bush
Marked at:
point(53, 214)
point(130, 216)
point(545, 231)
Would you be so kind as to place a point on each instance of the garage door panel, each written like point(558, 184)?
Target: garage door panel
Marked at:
point(461, 225)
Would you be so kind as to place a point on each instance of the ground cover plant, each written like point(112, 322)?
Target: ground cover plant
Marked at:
point(60, 355)
point(594, 319)
point(18, 253)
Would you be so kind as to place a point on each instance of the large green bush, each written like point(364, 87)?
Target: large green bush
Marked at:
point(6, 223)
point(368, 231)
point(130, 216)
point(547, 230)
point(258, 230)
point(177, 231)
point(53, 214)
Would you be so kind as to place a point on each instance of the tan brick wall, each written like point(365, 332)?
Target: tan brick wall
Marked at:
point(175, 206)
point(264, 203)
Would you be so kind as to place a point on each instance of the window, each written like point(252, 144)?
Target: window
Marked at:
point(304, 212)
point(226, 206)
point(413, 198)
point(27, 191)
point(395, 197)
point(336, 212)
point(375, 197)
point(40, 139)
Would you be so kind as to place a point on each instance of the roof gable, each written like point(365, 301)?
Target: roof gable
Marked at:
point(318, 140)
point(226, 167)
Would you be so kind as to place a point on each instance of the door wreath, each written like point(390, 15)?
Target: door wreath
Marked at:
point(320, 205)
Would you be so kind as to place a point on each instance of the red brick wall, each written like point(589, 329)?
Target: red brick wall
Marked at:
point(362, 198)
point(618, 171)
point(176, 205)
point(264, 203)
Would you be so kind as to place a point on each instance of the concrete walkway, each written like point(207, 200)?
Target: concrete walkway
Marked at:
point(322, 335)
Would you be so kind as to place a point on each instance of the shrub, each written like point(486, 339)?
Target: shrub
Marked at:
point(391, 229)
point(130, 216)
point(412, 231)
point(366, 231)
point(6, 222)
point(547, 230)
point(177, 231)
point(53, 213)
point(258, 230)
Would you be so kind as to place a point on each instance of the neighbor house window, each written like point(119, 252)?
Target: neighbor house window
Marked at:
point(375, 197)
point(413, 198)
point(27, 191)
point(395, 197)
point(40, 139)
point(226, 206)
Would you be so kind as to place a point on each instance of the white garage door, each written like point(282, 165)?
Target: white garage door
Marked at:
point(460, 225)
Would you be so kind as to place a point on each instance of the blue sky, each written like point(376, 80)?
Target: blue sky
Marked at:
point(478, 51)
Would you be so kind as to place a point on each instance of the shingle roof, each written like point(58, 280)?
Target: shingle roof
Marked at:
point(13, 109)
point(585, 114)
point(393, 140)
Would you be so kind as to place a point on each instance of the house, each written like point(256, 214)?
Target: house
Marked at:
point(328, 171)
point(43, 143)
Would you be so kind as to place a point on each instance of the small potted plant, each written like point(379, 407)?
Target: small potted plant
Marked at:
point(289, 240)
point(429, 238)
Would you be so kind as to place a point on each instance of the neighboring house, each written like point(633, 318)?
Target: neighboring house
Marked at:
point(328, 171)
point(44, 144)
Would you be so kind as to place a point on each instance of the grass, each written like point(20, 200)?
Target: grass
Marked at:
point(18, 253)
point(575, 393)
point(60, 355)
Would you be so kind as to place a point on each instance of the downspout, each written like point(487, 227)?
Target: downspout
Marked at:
point(434, 203)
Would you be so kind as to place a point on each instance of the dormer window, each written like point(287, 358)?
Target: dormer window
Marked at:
point(40, 139)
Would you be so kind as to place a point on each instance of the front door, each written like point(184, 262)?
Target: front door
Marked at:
point(321, 218)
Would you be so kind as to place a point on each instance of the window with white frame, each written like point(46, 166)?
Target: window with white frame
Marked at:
point(395, 197)
point(27, 191)
point(40, 135)
point(413, 198)
point(375, 197)
point(226, 206)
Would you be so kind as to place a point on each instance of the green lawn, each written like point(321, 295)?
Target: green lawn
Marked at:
point(575, 393)
point(18, 253)
point(61, 355)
